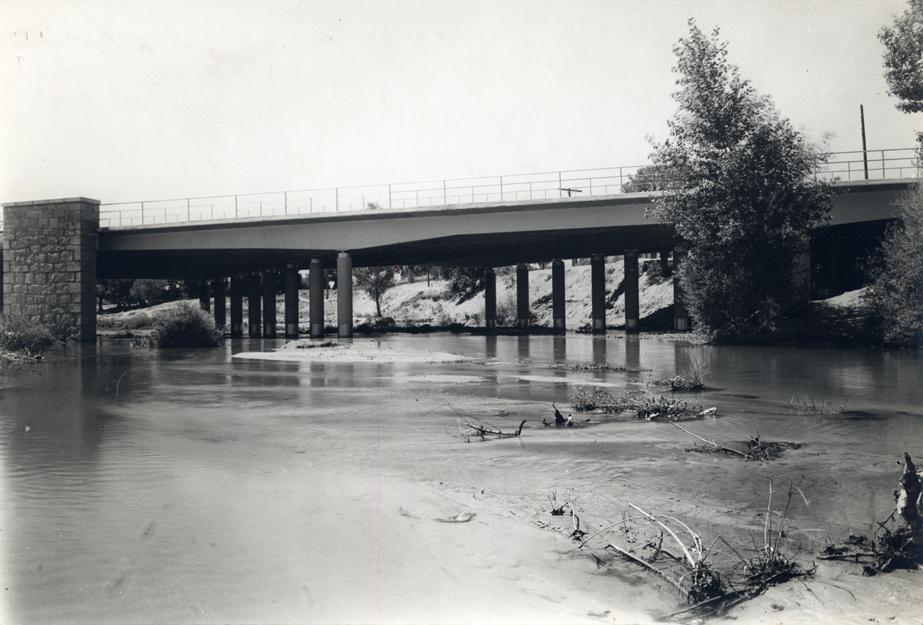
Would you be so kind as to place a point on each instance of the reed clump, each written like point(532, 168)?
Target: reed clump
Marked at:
point(692, 379)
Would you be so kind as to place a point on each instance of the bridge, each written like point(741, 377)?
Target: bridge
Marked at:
point(54, 250)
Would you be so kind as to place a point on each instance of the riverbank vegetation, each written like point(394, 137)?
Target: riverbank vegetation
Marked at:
point(894, 301)
point(738, 188)
point(21, 341)
point(184, 325)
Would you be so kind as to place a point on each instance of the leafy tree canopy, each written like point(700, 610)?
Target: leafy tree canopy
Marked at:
point(894, 300)
point(646, 179)
point(375, 281)
point(903, 58)
point(738, 188)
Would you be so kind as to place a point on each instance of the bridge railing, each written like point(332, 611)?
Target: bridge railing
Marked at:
point(849, 166)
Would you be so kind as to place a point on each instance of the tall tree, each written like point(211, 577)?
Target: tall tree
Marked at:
point(903, 58)
point(738, 189)
point(894, 299)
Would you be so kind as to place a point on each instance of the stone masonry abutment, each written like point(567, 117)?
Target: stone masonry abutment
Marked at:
point(49, 264)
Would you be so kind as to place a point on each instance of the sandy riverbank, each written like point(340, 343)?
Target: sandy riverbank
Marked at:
point(511, 561)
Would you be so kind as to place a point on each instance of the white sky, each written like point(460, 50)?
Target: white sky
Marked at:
point(150, 99)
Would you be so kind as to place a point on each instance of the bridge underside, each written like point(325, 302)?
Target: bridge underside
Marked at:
point(482, 250)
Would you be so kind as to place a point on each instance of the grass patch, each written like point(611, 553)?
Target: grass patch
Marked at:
point(641, 403)
point(21, 335)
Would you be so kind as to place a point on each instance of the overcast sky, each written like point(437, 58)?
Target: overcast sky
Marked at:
point(128, 100)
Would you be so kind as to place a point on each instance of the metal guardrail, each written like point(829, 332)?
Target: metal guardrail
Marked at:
point(877, 165)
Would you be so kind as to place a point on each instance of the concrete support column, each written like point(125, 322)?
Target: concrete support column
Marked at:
point(269, 304)
point(598, 288)
point(344, 295)
point(254, 299)
point(316, 312)
point(49, 264)
point(557, 294)
point(522, 295)
point(292, 284)
point(490, 298)
point(205, 296)
point(665, 264)
point(680, 316)
point(221, 304)
point(237, 306)
point(632, 309)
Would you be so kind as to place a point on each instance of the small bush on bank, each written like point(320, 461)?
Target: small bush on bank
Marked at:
point(184, 325)
point(18, 334)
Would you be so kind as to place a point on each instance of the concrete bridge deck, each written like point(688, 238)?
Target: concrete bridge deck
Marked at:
point(55, 251)
point(478, 235)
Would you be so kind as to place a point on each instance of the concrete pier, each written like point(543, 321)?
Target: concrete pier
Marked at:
point(269, 304)
point(205, 296)
point(49, 264)
point(221, 304)
point(557, 295)
point(632, 305)
point(598, 289)
point(292, 284)
point(254, 301)
point(522, 295)
point(316, 284)
point(237, 306)
point(490, 298)
point(344, 295)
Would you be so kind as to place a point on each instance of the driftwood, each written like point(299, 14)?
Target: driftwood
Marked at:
point(706, 588)
point(482, 429)
point(465, 425)
point(557, 510)
point(898, 542)
point(757, 449)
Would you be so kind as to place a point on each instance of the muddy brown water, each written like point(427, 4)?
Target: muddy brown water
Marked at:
point(189, 486)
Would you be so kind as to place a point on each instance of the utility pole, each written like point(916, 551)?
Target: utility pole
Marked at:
point(865, 158)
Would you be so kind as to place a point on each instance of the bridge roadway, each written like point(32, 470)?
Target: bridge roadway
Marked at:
point(475, 235)
point(54, 253)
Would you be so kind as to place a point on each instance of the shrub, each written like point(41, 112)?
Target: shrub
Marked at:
point(19, 334)
point(184, 325)
point(465, 282)
point(894, 300)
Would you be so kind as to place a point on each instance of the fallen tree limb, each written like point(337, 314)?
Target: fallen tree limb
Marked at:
point(649, 566)
point(717, 447)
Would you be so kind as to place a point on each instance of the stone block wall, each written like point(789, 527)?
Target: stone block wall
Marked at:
point(49, 264)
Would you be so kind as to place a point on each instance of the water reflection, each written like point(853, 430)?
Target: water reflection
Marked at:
point(140, 468)
point(633, 355)
point(523, 343)
point(599, 349)
point(490, 346)
point(559, 344)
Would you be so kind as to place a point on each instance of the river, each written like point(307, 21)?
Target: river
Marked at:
point(190, 486)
